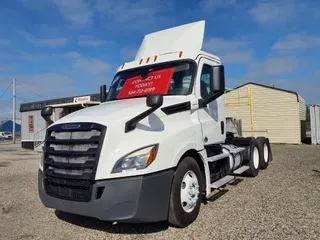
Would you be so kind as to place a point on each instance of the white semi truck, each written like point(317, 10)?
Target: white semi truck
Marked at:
point(157, 145)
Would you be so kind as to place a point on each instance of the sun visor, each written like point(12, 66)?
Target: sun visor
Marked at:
point(188, 37)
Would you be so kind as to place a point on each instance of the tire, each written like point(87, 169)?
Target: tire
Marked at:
point(254, 159)
point(179, 216)
point(264, 152)
point(270, 151)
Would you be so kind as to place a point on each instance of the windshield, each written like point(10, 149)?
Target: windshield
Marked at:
point(165, 79)
point(7, 133)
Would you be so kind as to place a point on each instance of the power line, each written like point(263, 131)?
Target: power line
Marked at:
point(10, 101)
point(6, 105)
point(22, 99)
point(5, 90)
point(24, 87)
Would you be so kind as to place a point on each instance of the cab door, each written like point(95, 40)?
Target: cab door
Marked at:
point(211, 117)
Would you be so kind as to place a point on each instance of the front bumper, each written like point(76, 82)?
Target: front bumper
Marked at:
point(132, 199)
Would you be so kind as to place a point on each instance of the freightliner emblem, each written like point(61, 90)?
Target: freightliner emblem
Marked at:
point(70, 126)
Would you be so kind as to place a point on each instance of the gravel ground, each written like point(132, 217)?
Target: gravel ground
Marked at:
point(283, 202)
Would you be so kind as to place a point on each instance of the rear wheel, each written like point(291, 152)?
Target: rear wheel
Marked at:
point(264, 149)
point(186, 197)
point(253, 155)
point(270, 152)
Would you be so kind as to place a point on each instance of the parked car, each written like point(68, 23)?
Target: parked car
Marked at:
point(6, 135)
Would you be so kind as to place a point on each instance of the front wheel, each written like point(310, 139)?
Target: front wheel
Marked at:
point(186, 196)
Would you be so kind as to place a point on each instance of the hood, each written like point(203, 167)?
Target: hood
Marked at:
point(119, 110)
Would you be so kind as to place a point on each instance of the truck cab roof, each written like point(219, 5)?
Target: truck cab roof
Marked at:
point(177, 43)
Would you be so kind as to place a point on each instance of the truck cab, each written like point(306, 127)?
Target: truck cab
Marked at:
point(156, 147)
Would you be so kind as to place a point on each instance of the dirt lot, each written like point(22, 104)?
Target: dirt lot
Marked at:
point(283, 202)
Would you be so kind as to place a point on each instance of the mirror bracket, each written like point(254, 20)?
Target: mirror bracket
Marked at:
point(153, 101)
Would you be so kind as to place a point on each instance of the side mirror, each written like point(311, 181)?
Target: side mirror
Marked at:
point(103, 93)
point(46, 112)
point(154, 100)
point(218, 78)
point(218, 82)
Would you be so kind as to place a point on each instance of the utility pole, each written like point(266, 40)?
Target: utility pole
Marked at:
point(14, 110)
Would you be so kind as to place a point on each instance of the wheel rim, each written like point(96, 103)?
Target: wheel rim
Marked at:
point(265, 152)
point(255, 158)
point(189, 191)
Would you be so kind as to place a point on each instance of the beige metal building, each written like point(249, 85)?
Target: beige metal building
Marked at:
point(267, 111)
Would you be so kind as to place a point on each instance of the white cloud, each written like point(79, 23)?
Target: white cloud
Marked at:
point(40, 41)
point(34, 4)
point(88, 40)
point(48, 85)
point(69, 55)
point(101, 79)
point(296, 42)
point(237, 57)
point(6, 110)
point(49, 42)
point(128, 53)
point(4, 42)
point(277, 82)
point(91, 65)
point(278, 66)
point(71, 62)
point(270, 67)
point(82, 13)
point(219, 44)
point(4, 67)
point(75, 11)
point(43, 86)
point(213, 5)
point(270, 12)
point(133, 13)
point(230, 51)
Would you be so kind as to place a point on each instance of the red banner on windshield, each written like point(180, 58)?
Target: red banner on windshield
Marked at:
point(157, 82)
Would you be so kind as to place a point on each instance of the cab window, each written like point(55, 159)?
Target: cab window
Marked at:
point(206, 86)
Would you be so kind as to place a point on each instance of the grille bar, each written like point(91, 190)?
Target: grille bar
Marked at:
point(51, 173)
point(87, 164)
point(91, 151)
point(94, 139)
point(70, 182)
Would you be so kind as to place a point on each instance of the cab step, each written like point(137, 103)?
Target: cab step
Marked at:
point(241, 170)
point(235, 182)
point(222, 181)
point(214, 195)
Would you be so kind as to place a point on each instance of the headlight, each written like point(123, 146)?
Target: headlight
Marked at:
point(139, 159)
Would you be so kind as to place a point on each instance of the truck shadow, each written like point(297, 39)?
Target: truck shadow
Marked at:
point(120, 228)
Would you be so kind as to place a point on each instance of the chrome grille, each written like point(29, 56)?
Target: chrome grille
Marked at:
point(72, 155)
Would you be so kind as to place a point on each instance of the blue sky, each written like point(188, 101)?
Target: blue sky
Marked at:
point(57, 48)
